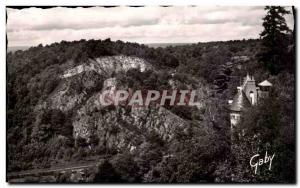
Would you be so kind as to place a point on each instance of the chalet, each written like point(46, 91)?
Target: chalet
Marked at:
point(248, 94)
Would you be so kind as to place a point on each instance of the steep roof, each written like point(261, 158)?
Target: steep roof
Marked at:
point(265, 83)
point(239, 102)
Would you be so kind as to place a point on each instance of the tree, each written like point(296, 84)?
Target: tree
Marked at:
point(274, 39)
point(128, 169)
point(107, 174)
point(268, 126)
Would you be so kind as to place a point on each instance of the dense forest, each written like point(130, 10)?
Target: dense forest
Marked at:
point(201, 152)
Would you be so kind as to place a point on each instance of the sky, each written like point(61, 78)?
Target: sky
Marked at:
point(151, 24)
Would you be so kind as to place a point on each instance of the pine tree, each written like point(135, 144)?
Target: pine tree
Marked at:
point(275, 39)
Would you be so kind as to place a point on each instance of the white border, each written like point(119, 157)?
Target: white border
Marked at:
point(152, 2)
point(4, 3)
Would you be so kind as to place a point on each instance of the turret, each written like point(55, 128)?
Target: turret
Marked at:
point(250, 89)
point(264, 89)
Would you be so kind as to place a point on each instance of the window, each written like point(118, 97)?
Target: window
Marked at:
point(252, 97)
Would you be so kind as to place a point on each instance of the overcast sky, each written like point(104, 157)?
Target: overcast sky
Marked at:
point(32, 26)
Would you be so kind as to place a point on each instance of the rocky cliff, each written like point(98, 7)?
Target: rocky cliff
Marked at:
point(109, 65)
point(119, 127)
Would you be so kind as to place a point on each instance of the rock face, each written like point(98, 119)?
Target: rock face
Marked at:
point(119, 127)
point(73, 91)
point(125, 128)
point(65, 101)
point(109, 65)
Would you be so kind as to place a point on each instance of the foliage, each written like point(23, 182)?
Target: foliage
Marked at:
point(201, 152)
point(269, 127)
point(275, 40)
point(107, 174)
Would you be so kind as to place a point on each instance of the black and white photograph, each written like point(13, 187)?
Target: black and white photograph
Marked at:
point(177, 94)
